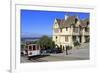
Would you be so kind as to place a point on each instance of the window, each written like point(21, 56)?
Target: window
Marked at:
point(86, 29)
point(30, 48)
point(74, 38)
point(37, 47)
point(66, 28)
point(66, 38)
point(56, 37)
point(75, 29)
point(34, 47)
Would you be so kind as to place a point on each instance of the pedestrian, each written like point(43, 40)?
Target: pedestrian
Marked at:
point(66, 50)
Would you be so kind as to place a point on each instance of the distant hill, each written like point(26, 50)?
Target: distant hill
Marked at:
point(31, 37)
point(34, 36)
point(24, 38)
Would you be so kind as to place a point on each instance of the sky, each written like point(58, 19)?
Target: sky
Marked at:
point(36, 23)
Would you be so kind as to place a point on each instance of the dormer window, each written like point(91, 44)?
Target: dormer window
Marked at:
point(76, 20)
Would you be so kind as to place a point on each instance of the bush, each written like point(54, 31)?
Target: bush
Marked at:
point(69, 47)
point(46, 42)
point(76, 43)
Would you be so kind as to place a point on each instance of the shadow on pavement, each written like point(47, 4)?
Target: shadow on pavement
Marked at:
point(39, 56)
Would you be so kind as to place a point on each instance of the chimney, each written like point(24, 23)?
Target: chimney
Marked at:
point(66, 16)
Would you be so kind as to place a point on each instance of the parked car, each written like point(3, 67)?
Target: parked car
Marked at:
point(42, 51)
point(54, 50)
point(48, 50)
point(58, 50)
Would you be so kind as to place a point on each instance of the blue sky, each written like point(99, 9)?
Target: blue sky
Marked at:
point(34, 22)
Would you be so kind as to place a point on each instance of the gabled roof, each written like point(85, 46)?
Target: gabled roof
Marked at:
point(84, 23)
point(71, 20)
point(60, 22)
point(66, 23)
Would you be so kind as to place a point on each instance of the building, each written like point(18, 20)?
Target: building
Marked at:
point(70, 30)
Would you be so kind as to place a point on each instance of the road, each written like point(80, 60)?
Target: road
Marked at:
point(75, 54)
point(24, 59)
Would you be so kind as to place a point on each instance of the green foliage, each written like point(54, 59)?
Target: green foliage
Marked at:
point(34, 42)
point(22, 45)
point(76, 43)
point(46, 42)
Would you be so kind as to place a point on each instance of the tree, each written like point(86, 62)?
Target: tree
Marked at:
point(46, 42)
point(34, 42)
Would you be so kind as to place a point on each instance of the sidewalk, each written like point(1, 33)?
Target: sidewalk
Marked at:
point(81, 52)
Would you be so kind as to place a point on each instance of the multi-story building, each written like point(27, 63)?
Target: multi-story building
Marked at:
point(70, 30)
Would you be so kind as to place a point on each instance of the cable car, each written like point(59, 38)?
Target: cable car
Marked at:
point(33, 50)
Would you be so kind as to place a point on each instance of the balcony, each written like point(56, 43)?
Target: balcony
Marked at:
point(75, 33)
point(86, 33)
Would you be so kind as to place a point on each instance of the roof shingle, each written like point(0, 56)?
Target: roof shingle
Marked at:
point(71, 20)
